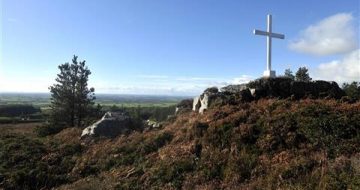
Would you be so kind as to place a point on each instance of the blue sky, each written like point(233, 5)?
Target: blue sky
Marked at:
point(173, 47)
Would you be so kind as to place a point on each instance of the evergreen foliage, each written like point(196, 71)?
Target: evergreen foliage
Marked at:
point(352, 90)
point(288, 73)
point(302, 75)
point(71, 99)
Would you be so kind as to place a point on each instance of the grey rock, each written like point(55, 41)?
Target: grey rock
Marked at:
point(207, 98)
point(184, 106)
point(204, 103)
point(212, 90)
point(245, 95)
point(234, 88)
point(196, 103)
point(280, 87)
point(153, 124)
point(283, 87)
point(110, 125)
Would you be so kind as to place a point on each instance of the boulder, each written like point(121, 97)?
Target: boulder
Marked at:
point(332, 89)
point(257, 93)
point(196, 103)
point(153, 124)
point(245, 95)
point(299, 89)
point(211, 90)
point(212, 97)
point(270, 87)
point(234, 88)
point(111, 124)
point(283, 87)
point(202, 102)
point(184, 106)
point(209, 96)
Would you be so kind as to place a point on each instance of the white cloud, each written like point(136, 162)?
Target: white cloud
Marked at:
point(332, 35)
point(242, 79)
point(345, 70)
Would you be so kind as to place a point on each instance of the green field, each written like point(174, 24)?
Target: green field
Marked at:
point(42, 101)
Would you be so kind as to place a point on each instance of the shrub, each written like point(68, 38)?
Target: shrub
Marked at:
point(159, 141)
point(352, 90)
point(197, 130)
point(296, 171)
point(14, 110)
point(172, 172)
point(240, 167)
point(219, 136)
point(27, 163)
point(47, 129)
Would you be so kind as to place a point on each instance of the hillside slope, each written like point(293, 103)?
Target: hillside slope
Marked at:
point(264, 144)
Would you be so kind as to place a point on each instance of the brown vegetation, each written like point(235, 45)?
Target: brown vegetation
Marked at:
point(264, 144)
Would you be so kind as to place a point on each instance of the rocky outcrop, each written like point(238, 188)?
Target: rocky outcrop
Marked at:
point(184, 106)
point(201, 103)
point(213, 97)
point(280, 87)
point(196, 103)
point(111, 124)
point(234, 88)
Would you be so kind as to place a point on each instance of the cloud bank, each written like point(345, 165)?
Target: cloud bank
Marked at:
point(332, 35)
point(345, 70)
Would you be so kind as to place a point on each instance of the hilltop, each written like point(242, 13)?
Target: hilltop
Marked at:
point(266, 143)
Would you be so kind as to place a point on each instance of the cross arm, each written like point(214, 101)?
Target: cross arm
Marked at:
point(273, 35)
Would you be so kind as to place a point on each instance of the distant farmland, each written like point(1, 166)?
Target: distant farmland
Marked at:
point(42, 100)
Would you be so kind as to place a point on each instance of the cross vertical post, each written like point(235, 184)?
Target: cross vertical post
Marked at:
point(268, 45)
point(269, 35)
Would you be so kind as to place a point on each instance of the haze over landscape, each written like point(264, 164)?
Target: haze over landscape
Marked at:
point(173, 47)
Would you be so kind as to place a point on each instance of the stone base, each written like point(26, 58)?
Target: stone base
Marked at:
point(269, 74)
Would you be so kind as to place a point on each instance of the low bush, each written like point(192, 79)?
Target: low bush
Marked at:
point(159, 141)
point(27, 163)
point(47, 129)
point(172, 172)
point(219, 136)
point(13, 110)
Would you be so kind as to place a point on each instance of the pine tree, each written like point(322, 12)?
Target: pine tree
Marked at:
point(302, 75)
point(352, 90)
point(60, 97)
point(288, 73)
point(84, 96)
point(71, 99)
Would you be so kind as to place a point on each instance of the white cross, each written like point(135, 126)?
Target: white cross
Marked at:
point(269, 35)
